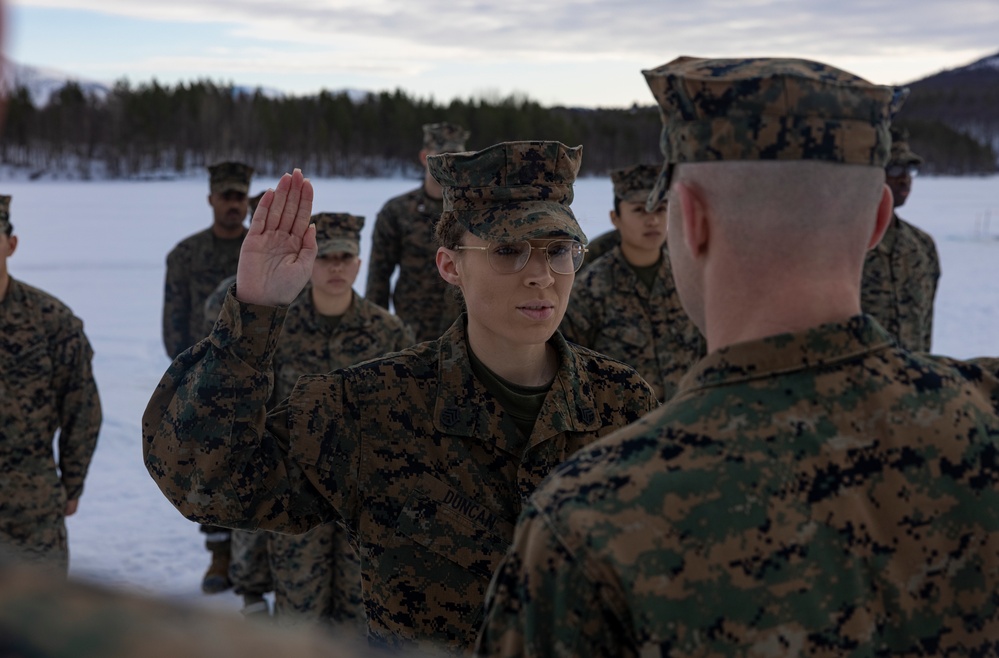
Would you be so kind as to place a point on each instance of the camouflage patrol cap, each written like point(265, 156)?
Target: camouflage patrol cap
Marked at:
point(338, 232)
point(5, 224)
point(901, 154)
point(768, 109)
point(444, 137)
point(512, 190)
point(634, 183)
point(230, 176)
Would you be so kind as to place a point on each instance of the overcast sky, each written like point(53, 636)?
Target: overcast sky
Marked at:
point(569, 52)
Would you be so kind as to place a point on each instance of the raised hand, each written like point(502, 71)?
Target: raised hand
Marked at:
point(276, 259)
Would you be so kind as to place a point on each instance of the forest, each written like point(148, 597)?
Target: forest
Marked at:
point(153, 130)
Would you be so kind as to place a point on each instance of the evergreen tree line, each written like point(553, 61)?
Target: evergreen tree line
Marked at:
point(154, 130)
point(151, 129)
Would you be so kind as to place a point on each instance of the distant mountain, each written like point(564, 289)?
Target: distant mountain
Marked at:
point(964, 100)
point(42, 83)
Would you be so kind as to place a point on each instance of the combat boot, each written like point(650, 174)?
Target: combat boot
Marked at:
point(217, 577)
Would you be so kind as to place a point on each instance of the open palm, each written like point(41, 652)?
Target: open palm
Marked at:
point(276, 259)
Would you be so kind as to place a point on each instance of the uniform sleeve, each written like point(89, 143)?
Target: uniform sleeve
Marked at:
point(934, 275)
point(385, 254)
point(79, 407)
point(176, 307)
point(208, 443)
point(543, 601)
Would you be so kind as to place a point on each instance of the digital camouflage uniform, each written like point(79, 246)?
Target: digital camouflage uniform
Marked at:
point(820, 493)
point(901, 273)
point(403, 238)
point(612, 312)
point(599, 246)
point(46, 384)
point(410, 451)
point(196, 266)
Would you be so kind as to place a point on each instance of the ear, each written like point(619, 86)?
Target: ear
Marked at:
point(885, 211)
point(11, 245)
point(615, 220)
point(210, 200)
point(423, 157)
point(447, 265)
point(693, 211)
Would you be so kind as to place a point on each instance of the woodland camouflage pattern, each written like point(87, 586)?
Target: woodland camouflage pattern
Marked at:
point(768, 109)
point(46, 617)
point(900, 284)
point(444, 137)
point(634, 183)
point(599, 246)
point(403, 236)
point(824, 493)
point(338, 232)
point(194, 268)
point(512, 190)
point(4, 213)
point(46, 383)
point(611, 312)
point(409, 451)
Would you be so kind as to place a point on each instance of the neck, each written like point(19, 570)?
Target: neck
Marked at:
point(226, 234)
point(753, 307)
point(432, 188)
point(641, 257)
point(332, 304)
point(524, 365)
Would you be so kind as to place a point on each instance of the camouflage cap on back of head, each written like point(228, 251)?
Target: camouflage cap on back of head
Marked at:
point(768, 109)
point(901, 154)
point(338, 232)
point(229, 176)
point(634, 183)
point(512, 190)
point(444, 137)
point(4, 213)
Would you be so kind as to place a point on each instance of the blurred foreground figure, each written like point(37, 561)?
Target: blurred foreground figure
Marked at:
point(902, 271)
point(813, 488)
point(46, 617)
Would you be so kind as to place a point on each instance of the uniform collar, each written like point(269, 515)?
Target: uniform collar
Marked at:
point(786, 353)
point(626, 281)
point(465, 408)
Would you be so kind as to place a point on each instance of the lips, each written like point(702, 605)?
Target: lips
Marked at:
point(539, 310)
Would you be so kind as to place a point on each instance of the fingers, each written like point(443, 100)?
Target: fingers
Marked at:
point(259, 219)
point(303, 218)
point(280, 200)
point(291, 206)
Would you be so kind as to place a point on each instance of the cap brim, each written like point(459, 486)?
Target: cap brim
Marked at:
point(659, 192)
point(222, 188)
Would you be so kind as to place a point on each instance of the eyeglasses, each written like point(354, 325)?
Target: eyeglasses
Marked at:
point(564, 256)
point(897, 171)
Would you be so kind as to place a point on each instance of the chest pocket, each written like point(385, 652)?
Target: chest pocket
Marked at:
point(624, 334)
point(31, 365)
point(455, 527)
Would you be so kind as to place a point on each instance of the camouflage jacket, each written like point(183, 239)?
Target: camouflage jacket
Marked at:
point(612, 313)
point(403, 237)
point(820, 493)
point(409, 451)
point(46, 384)
point(308, 346)
point(899, 284)
point(193, 269)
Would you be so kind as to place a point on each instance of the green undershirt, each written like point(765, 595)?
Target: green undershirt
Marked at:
point(647, 273)
point(523, 403)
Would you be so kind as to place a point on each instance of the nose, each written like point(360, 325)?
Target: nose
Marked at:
point(538, 272)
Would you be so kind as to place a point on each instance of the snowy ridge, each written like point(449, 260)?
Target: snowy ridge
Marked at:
point(42, 83)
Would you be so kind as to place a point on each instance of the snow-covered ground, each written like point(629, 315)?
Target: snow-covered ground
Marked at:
point(101, 246)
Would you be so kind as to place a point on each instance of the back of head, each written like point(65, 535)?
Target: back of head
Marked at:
point(784, 147)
